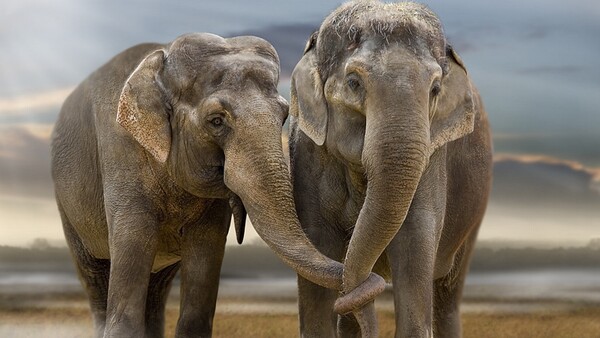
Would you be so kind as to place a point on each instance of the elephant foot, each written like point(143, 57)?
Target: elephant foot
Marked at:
point(361, 295)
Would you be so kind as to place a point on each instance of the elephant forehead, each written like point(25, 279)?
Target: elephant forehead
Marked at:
point(235, 70)
point(351, 24)
point(384, 19)
point(195, 57)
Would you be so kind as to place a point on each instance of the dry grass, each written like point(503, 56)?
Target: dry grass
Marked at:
point(580, 323)
point(70, 322)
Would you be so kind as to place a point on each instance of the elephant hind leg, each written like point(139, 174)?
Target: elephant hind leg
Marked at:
point(448, 293)
point(93, 274)
point(158, 292)
point(348, 326)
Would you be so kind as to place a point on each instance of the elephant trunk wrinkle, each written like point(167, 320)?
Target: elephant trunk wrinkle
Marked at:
point(266, 191)
point(394, 163)
point(263, 184)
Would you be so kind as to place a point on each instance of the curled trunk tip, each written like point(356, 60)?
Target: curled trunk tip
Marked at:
point(361, 295)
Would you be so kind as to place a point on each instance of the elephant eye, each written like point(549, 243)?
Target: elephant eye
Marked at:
point(216, 124)
point(217, 121)
point(436, 88)
point(169, 106)
point(353, 83)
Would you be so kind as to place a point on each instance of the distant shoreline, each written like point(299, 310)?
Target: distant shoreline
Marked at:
point(256, 260)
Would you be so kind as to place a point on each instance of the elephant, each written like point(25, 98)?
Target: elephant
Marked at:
point(152, 155)
point(391, 164)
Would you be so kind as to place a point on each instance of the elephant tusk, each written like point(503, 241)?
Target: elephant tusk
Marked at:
point(239, 217)
point(361, 295)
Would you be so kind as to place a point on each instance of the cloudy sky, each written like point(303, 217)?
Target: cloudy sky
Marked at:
point(535, 63)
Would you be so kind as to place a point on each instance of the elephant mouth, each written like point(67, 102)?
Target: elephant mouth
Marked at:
point(212, 173)
point(209, 182)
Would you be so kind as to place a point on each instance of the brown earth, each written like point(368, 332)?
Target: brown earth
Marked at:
point(70, 318)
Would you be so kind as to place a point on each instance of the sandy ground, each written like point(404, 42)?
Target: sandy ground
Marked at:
point(264, 319)
point(271, 311)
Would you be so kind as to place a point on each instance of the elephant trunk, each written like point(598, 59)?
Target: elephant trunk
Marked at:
point(257, 172)
point(394, 157)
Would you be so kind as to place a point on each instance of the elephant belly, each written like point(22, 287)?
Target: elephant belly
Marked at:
point(169, 249)
point(95, 240)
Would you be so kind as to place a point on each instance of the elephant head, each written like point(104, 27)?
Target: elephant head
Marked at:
point(381, 89)
point(207, 109)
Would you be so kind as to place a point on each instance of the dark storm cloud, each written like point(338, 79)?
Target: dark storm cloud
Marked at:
point(537, 182)
point(24, 164)
point(582, 147)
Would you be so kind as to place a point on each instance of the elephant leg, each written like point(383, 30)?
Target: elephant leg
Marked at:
point(448, 293)
point(315, 306)
point(93, 274)
point(133, 240)
point(315, 303)
point(347, 326)
point(201, 257)
point(156, 300)
point(411, 256)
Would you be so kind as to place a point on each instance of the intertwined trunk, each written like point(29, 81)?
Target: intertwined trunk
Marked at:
point(394, 156)
point(256, 171)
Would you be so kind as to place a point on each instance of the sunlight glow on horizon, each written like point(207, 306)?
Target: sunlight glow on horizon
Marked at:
point(24, 103)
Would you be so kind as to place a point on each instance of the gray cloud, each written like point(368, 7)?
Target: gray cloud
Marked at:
point(24, 164)
point(535, 33)
point(536, 182)
point(582, 147)
point(552, 70)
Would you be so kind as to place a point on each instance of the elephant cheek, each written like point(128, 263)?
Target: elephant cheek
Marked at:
point(347, 135)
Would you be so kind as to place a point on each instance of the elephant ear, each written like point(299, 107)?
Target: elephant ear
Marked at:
point(308, 101)
point(454, 116)
point(142, 111)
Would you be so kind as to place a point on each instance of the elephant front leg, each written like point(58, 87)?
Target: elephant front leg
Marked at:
point(201, 257)
point(315, 303)
point(448, 292)
point(412, 256)
point(315, 306)
point(133, 243)
point(412, 253)
point(156, 301)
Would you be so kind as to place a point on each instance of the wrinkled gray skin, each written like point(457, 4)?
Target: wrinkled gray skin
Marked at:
point(150, 156)
point(391, 165)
